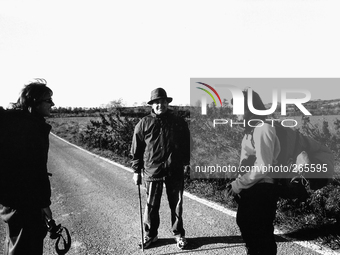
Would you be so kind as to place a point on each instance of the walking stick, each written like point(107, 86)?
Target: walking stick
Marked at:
point(141, 216)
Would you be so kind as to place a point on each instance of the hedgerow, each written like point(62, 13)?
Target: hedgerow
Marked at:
point(322, 208)
point(111, 132)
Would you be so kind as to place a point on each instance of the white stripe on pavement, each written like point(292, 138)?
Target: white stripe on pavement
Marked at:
point(307, 244)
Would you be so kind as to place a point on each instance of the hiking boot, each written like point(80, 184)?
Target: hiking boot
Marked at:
point(148, 241)
point(181, 242)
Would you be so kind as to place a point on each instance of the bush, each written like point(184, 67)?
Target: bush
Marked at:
point(323, 205)
point(112, 132)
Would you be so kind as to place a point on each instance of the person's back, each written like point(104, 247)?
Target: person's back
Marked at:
point(24, 147)
point(255, 189)
point(25, 186)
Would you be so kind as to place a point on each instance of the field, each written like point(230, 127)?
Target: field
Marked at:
point(70, 127)
point(82, 122)
point(103, 135)
point(318, 120)
point(317, 218)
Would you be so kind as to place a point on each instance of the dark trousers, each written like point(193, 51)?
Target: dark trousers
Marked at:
point(25, 231)
point(255, 217)
point(174, 191)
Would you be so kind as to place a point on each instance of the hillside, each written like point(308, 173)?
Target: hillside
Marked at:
point(315, 107)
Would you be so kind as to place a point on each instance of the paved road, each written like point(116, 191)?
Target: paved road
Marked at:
point(97, 201)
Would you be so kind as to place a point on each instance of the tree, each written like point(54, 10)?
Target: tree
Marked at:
point(225, 103)
point(116, 103)
point(198, 103)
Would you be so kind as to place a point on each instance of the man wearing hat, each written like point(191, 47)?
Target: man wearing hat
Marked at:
point(161, 150)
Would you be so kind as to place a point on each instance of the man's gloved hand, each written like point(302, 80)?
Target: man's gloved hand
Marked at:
point(137, 178)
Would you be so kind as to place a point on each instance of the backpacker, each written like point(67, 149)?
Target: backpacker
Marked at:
point(303, 162)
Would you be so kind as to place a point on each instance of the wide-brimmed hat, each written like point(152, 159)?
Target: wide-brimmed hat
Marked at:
point(159, 93)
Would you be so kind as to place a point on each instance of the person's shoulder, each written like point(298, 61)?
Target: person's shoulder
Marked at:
point(175, 116)
point(13, 120)
point(268, 126)
point(2, 113)
point(265, 128)
point(12, 114)
point(147, 118)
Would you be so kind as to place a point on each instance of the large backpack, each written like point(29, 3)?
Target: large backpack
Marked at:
point(307, 163)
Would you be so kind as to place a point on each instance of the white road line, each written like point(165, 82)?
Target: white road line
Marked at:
point(312, 246)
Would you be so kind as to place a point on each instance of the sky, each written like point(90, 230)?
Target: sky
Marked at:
point(94, 52)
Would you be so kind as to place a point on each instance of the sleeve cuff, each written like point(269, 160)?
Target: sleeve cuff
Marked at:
point(235, 188)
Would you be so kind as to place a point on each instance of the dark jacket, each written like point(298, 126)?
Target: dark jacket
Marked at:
point(24, 144)
point(160, 146)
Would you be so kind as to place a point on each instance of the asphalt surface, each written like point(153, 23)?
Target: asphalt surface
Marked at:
point(98, 203)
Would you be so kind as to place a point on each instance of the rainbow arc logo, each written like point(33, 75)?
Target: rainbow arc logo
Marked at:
point(210, 93)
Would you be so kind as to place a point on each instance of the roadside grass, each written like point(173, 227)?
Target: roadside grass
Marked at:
point(316, 219)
